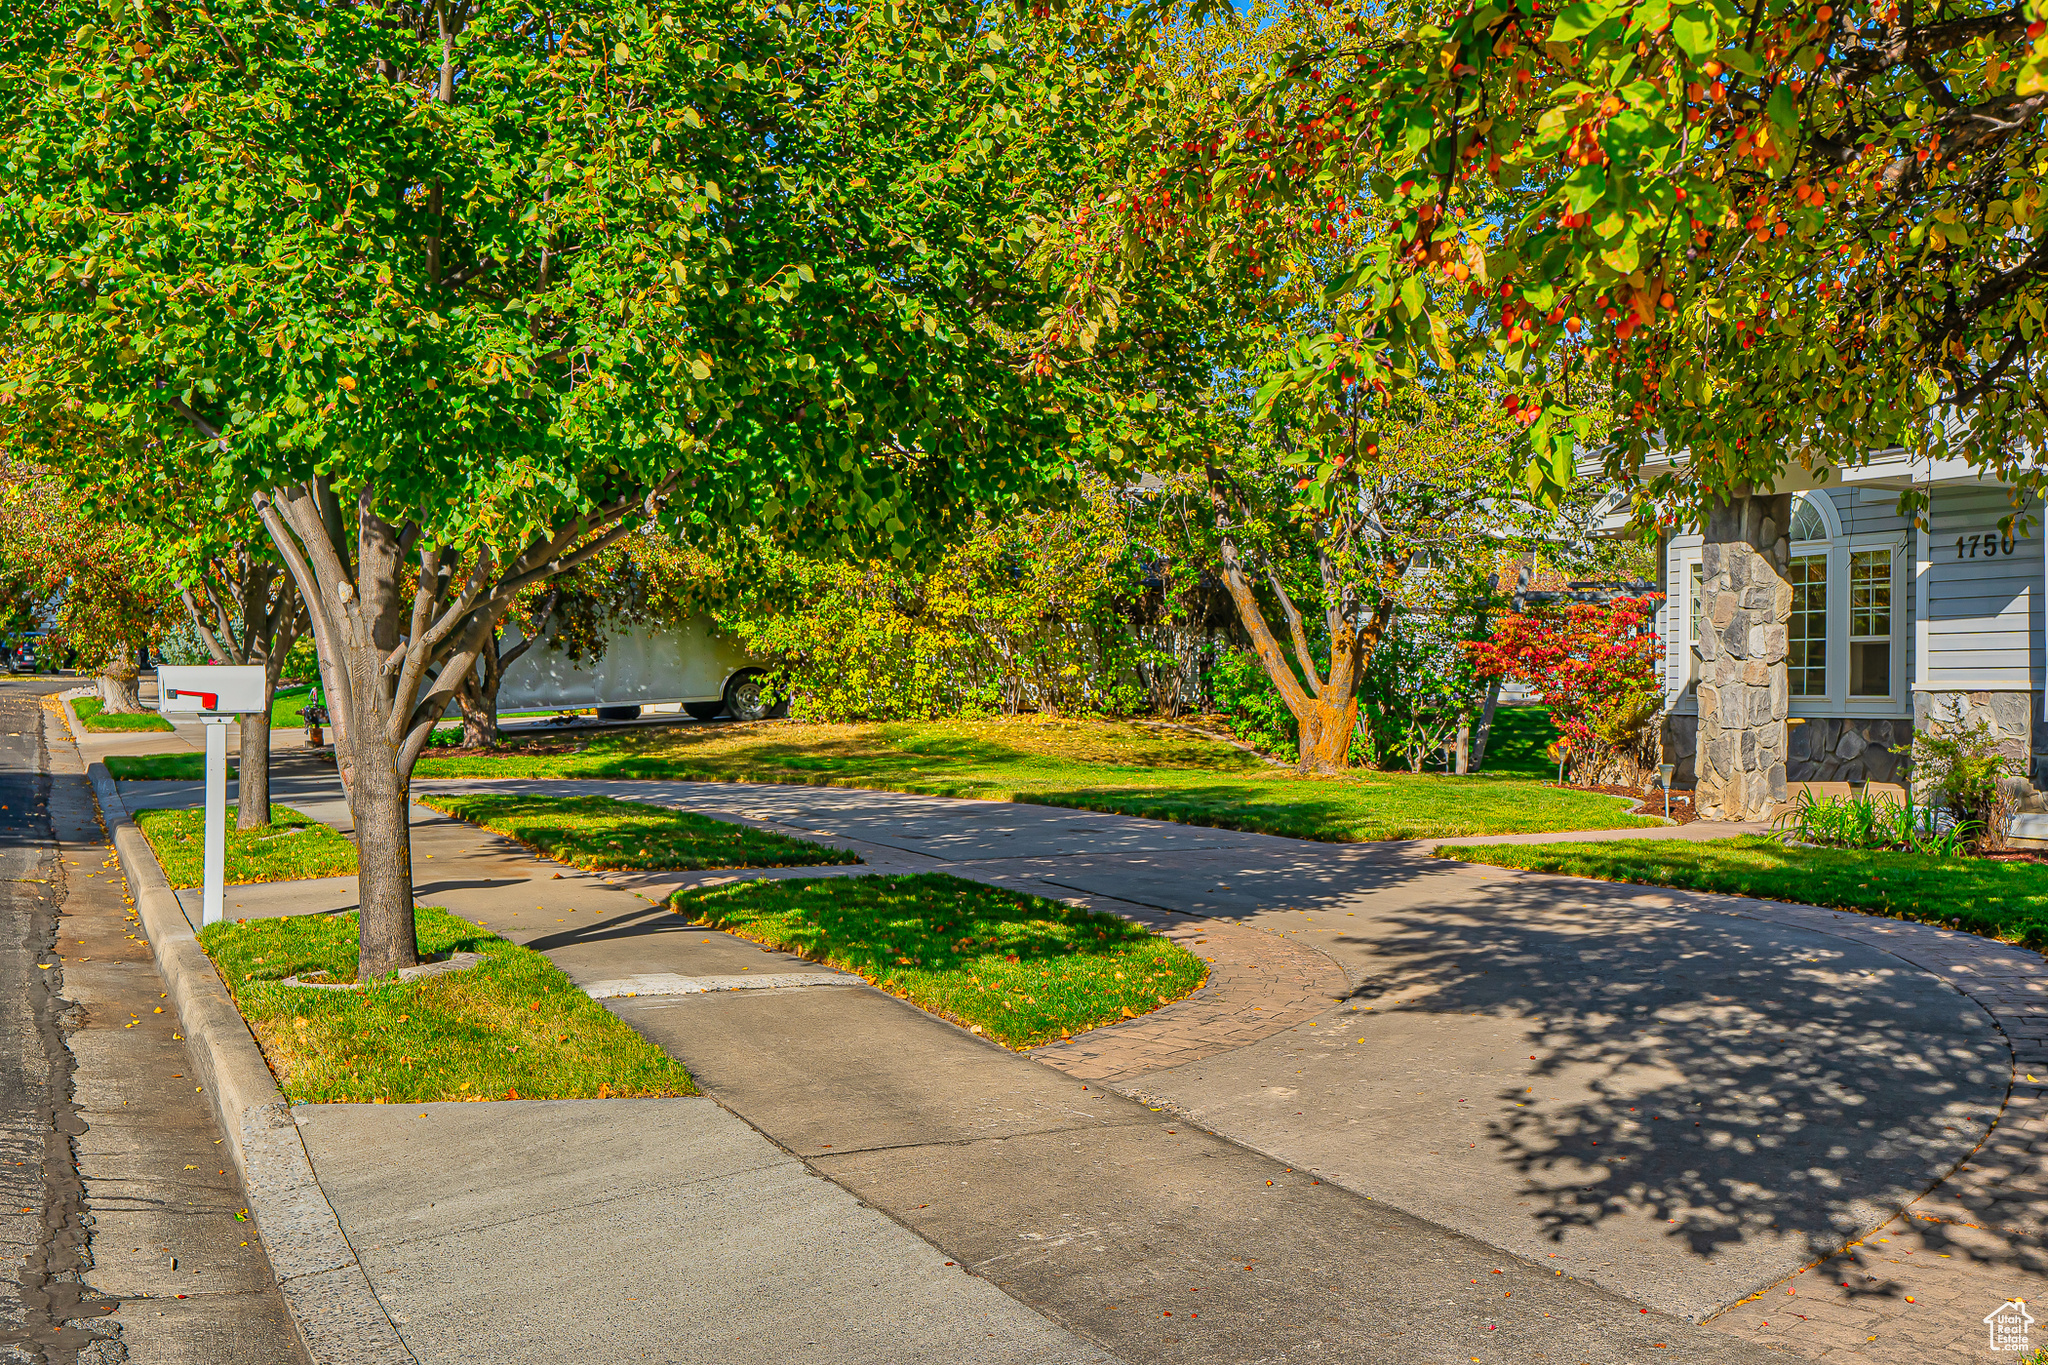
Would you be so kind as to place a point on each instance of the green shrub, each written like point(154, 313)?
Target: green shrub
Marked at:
point(1252, 705)
point(1962, 768)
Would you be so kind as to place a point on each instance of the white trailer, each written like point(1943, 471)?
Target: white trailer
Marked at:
point(691, 664)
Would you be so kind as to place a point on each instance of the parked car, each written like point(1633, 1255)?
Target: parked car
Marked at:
point(691, 664)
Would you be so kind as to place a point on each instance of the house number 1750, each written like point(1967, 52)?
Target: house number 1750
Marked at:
point(1991, 543)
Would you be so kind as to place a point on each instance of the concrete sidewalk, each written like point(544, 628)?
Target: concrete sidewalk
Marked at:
point(1728, 1090)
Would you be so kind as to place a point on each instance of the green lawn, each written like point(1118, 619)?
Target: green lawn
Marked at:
point(292, 848)
point(287, 703)
point(2000, 900)
point(1518, 739)
point(600, 833)
point(1115, 766)
point(512, 1027)
point(94, 719)
point(187, 766)
point(1016, 968)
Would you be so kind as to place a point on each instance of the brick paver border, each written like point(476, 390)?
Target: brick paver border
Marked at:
point(1259, 984)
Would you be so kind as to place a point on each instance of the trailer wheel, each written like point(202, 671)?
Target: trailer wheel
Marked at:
point(746, 698)
point(618, 713)
point(704, 710)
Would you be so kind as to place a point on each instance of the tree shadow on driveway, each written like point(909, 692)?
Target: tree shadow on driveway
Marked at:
point(1681, 1103)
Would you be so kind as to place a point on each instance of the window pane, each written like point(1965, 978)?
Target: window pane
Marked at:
point(1870, 623)
point(1693, 623)
point(1870, 594)
point(1806, 661)
point(1870, 668)
point(1807, 522)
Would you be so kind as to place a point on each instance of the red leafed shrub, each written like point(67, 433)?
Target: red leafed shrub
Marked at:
point(1596, 666)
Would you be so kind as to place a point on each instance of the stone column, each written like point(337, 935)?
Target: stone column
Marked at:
point(1745, 604)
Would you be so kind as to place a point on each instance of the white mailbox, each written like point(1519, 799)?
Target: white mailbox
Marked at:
point(223, 690)
point(216, 695)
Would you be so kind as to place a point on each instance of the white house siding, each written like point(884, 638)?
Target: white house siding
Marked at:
point(1984, 611)
point(1680, 553)
point(1982, 637)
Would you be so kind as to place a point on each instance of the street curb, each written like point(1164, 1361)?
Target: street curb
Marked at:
point(339, 1317)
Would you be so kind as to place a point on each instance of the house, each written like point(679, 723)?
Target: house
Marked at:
point(1810, 630)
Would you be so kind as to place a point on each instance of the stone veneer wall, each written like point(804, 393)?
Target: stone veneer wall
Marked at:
point(1848, 749)
point(1743, 691)
point(1821, 749)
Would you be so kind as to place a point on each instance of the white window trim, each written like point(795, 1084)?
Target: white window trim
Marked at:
point(1837, 701)
point(1678, 602)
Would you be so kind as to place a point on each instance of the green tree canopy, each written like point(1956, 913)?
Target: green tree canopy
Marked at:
point(1782, 231)
point(460, 292)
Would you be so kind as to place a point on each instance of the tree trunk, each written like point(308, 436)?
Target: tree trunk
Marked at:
point(252, 786)
point(1464, 745)
point(395, 641)
point(1479, 741)
point(479, 715)
point(117, 683)
point(381, 802)
point(1326, 731)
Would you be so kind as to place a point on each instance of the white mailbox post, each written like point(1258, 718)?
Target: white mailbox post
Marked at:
point(216, 696)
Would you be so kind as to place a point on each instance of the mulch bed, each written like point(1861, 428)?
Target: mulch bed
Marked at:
point(1648, 802)
point(533, 749)
point(2016, 855)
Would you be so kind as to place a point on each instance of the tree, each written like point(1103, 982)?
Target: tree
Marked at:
point(1062, 610)
point(1782, 231)
point(94, 575)
point(1598, 667)
point(460, 294)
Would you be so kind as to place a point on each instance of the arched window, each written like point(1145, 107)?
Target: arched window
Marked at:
point(1808, 522)
point(1806, 633)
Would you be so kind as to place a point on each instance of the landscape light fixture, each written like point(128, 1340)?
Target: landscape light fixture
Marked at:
point(1665, 772)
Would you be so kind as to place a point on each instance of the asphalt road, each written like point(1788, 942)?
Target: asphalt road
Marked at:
point(41, 1194)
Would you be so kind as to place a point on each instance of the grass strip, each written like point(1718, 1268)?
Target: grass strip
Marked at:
point(94, 718)
point(179, 767)
point(601, 833)
point(2000, 900)
point(1019, 969)
point(290, 849)
point(287, 705)
point(1119, 767)
point(511, 1027)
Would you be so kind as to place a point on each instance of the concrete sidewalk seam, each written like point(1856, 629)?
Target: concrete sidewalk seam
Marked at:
point(340, 1319)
